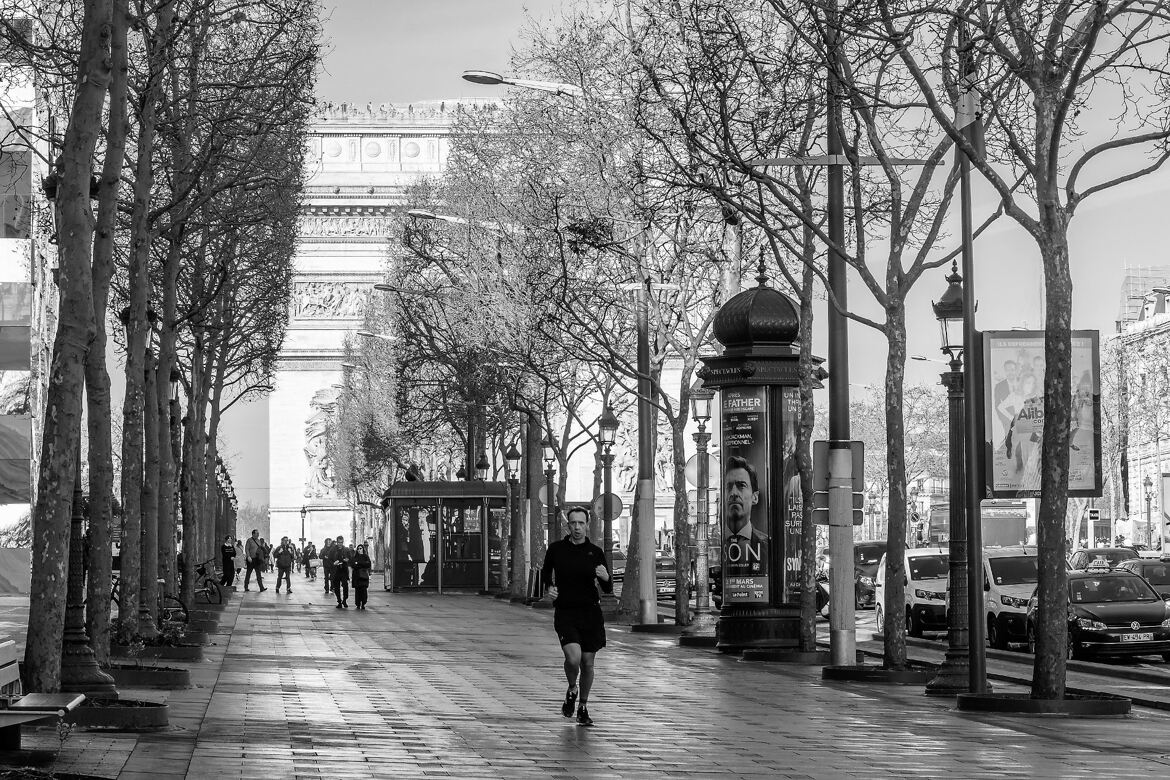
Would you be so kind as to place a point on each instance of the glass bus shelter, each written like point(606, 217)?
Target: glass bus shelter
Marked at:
point(445, 536)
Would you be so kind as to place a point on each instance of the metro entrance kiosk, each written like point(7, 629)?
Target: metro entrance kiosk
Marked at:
point(445, 536)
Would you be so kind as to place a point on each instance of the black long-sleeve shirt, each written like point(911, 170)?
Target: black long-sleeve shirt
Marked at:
point(574, 567)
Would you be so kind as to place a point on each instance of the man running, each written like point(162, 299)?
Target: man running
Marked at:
point(573, 568)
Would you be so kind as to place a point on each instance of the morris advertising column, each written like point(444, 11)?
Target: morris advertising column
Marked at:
point(759, 403)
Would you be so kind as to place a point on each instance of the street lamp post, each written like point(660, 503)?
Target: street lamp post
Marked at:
point(608, 425)
point(954, 675)
point(512, 458)
point(304, 514)
point(1149, 485)
point(550, 485)
point(482, 466)
point(704, 620)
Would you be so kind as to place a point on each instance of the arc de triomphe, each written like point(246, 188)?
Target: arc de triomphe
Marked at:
point(360, 162)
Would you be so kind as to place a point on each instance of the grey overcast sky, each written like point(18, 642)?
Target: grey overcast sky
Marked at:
point(402, 51)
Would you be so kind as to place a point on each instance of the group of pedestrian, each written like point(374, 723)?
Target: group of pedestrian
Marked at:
point(344, 566)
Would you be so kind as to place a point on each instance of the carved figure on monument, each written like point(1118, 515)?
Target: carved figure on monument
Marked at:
point(319, 483)
point(329, 300)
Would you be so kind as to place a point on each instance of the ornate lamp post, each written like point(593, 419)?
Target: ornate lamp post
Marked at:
point(550, 473)
point(461, 474)
point(704, 621)
point(304, 514)
point(1149, 485)
point(482, 467)
point(955, 672)
point(608, 425)
point(512, 458)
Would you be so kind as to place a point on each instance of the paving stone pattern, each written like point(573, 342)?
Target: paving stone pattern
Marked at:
point(470, 687)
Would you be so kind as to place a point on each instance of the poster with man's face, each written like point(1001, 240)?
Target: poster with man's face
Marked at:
point(745, 501)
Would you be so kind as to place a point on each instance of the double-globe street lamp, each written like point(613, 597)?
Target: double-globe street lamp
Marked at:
point(954, 674)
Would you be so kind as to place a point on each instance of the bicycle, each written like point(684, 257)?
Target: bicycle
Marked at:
point(170, 608)
point(206, 584)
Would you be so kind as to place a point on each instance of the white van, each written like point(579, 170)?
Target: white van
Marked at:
point(926, 573)
point(1009, 579)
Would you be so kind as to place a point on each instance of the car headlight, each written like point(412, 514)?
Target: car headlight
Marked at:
point(867, 580)
point(1011, 601)
point(1091, 625)
point(929, 595)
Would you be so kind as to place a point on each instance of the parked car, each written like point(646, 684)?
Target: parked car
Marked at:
point(866, 557)
point(1111, 613)
point(664, 576)
point(1081, 559)
point(1156, 572)
point(926, 571)
point(1010, 575)
point(617, 565)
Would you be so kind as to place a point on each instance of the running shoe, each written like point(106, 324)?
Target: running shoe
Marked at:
point(583, 718)
point(570, 701)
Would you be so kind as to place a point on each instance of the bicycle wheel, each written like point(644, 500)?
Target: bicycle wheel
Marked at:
point(173, 609)
point(213, 591)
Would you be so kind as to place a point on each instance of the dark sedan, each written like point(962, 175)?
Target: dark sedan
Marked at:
point(1111, 613)
point(1156, 572)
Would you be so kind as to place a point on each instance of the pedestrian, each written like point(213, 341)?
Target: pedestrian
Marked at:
point(254, 554)
point(266, 552)
point(240, 559)
point(227, 554)
point(573, 568)
point(342, 557)
point(327, 563)
point(308, 555)
point(361, 576)
point(285, 556)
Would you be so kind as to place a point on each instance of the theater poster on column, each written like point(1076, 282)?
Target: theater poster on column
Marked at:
point(745, 527)
point(1013, 404)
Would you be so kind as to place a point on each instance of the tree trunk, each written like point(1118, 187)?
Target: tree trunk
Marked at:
point(808, 530)
point(682, 528)
point(97, 380)
point(895, 596)
point(1048, 675)
point(61, 432)
point(148, 560)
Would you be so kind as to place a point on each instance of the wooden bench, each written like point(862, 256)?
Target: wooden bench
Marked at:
point(16, 709)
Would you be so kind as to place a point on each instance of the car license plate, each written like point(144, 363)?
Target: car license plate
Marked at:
point(1137, 637)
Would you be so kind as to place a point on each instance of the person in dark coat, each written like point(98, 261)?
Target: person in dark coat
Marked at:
point(309, 554)
point(227, 554)
point(342, 558)
point(361, 576)
point(327, 563)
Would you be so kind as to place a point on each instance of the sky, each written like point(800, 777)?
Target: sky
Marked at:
point(399, 51)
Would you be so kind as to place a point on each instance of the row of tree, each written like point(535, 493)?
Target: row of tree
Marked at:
point(654, 175)
point(174, 182)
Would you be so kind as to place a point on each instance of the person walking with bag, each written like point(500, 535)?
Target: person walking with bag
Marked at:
point(361, 576)
point(307, 557)
point(254, 553)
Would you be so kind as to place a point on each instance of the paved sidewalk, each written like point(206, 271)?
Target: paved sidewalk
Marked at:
point(469, 686)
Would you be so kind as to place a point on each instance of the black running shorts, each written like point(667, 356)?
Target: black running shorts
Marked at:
point(582, 625)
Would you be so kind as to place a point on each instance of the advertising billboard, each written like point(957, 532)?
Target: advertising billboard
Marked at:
point(1013, 399)
point(745, 542)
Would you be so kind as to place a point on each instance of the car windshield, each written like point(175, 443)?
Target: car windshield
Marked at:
point(928, 567)
point(868, 555)
point(1015, 570)
point(1112, 588)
